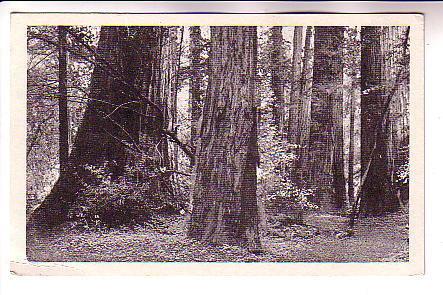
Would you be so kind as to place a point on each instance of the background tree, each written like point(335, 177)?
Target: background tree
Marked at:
point(351, 112)
point(196, 81)
point(171, 55)
point(42, 113)
point(43, 99)
point(295, 97)
point(396, 62)
point(326, 136)
point(224, 198)
point(377, 194)
point(277, 79)
point(300, 109)
point(116, 119)
point(63, 101)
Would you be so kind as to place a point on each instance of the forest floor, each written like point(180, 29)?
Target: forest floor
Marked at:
point(376, 239)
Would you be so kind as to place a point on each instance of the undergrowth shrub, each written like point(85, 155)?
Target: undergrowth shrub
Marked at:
point(402, 175)
point(278, 192)
point(124, 200)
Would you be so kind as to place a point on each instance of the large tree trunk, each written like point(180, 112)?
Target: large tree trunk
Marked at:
point(63, 101)
point(326, 140)
point(377, 193)
point(277, 81)
point(196, 81)
point(224, 198)
point(300, 109)
point(124, 113)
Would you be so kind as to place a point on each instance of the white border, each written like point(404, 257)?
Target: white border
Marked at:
point(430, 283)
point(20, 265)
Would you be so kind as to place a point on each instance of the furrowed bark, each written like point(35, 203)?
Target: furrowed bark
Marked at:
point(106, 131)
point(63, 101)
point(225, 199)
point(326, 136)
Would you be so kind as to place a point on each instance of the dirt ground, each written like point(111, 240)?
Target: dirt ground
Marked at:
point(376, 239)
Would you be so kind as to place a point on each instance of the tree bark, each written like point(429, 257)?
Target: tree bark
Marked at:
point(277, 81)
point(63, 101)
point(170, 71)
point(300, 110)
point(398, 119)
point(377, 194)
point(196, 81)
point(351, 115)
point(326, 140)
point(224, 198)
point(121, 115)
point(295, 96)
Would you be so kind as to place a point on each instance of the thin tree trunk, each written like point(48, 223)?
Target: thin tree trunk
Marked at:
point(295, 95)
point(351, 192)
point(175, 109)
point(337, 128)
point(326, 140)
point(63, 102)
point(277, 82)
point(196, 81)
point(224, 198)
point(305, 119)
point(351, 96)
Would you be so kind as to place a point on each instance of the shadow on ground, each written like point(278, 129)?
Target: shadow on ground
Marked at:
point(376, 239)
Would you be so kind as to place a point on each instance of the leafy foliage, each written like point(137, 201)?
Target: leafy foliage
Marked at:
point(275, 186)
point(125, 200)
point(42, 100)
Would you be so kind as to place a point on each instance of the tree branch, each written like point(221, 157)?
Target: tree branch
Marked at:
point(189, 151)
point(103, 64)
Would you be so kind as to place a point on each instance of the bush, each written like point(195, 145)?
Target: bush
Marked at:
point(402, 174)
point(114, 202)
point(279, 193)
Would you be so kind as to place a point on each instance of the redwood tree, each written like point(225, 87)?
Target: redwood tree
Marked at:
point(382, 88)
point(396, 61)
point(300, 109)
point(295, 96)
point(124, 112)
point(224, 197)
point(377, 195)
point(63, 101)
point(326, 138)
point(277, 80)
point(196, 79)
point(351, 111)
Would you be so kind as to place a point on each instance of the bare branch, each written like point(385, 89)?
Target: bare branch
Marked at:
point(189, 151)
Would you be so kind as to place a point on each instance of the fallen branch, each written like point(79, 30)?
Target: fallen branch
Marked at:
point(189, 151)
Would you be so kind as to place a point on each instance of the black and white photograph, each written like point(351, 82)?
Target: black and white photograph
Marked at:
point(219, 143)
